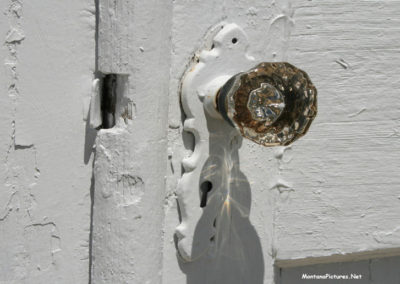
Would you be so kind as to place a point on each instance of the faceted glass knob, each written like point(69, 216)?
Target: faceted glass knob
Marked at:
point(266, 103)
point(271, 104)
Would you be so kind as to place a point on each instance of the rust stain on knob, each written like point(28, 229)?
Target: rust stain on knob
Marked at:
point(271, 104)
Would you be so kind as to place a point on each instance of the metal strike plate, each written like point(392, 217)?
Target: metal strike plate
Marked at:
point(226, 97)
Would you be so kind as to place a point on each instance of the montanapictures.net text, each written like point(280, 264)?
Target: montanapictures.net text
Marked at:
point(331, 276)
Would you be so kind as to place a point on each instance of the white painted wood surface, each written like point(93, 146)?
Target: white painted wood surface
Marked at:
point(344, 175)
point(46, 64)
point(332, 196)
point(131, 162)
point(336, 191)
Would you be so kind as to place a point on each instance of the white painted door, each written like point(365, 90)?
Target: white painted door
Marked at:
point(333, 195)
point(83, 205)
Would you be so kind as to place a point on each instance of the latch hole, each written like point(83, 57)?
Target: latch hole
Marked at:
point(108, 100)
point(115, 105)
point(234, 40)
point(205, 188)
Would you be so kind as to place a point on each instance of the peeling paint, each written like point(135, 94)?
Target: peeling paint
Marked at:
point(388, 237)
point(342, 63)
point(42, 243)
point(15, 36)
point(282, 186)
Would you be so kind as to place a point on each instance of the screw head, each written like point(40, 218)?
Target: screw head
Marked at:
point(271, 104)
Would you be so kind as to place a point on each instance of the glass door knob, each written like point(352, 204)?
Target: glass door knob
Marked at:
point(271, 104)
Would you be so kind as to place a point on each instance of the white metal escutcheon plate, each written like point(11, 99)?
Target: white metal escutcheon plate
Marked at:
point(215, 157)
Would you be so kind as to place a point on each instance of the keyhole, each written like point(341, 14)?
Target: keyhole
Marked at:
point(205, 188)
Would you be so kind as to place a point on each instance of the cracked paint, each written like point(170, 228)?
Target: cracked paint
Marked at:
point(41, 177)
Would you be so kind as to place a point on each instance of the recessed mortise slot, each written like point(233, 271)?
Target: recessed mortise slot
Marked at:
point(205, 188)
point(115, 105)
point(108, 100)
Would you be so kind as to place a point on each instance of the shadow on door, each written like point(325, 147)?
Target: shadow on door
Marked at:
point(235, 254)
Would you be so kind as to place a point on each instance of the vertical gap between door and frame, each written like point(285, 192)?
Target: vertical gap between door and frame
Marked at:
point(96, 75)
